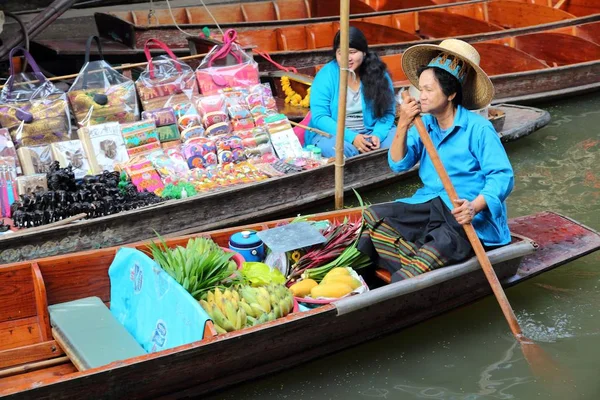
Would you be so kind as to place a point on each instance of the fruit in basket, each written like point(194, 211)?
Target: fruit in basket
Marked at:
point(340, 278)
point(303, 287)
point(337, 271)
point(332, 290)
point(237, 308)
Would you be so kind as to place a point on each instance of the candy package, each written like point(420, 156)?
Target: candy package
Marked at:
point(199, 152)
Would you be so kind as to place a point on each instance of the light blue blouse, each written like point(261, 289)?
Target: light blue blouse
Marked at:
point(476, 162)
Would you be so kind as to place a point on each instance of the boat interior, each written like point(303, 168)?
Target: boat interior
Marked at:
point(31, 350)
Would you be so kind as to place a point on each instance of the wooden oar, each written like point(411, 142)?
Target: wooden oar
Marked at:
point(536, 357)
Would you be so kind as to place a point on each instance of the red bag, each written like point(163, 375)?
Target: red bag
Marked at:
point(226, 66)
point(166, 81)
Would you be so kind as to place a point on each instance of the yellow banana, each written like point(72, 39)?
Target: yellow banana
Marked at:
point(230, 312)
point(248, 294)
point(246, 307)
point(218, 296)
point(235, 295)
point(235, 303)
point(227, 294)
point(265, 302)
point(210, 297)
point(221, 320)
point(207, 307)
point(257, 310)
point(241, 319)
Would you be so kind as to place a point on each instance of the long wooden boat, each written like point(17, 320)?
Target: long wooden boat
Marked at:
point(310, 44)
point(131, 27)
point(524, 68)
point(33, 365)
point(230, 206)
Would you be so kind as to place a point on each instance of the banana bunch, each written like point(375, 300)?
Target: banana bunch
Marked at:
point(233, 309)
point(292, 97)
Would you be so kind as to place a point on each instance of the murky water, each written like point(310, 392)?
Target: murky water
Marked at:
point(469, 354)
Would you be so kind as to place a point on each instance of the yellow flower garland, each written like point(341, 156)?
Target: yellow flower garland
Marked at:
point(292, 97)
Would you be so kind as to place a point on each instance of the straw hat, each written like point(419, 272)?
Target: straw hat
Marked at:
point(477, 89)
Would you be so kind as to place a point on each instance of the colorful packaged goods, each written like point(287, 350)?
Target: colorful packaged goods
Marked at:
point(7, 148)
point(139, 133)
point(200, 152)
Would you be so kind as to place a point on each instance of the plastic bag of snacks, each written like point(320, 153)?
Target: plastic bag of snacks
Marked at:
point(166, 81)
point(230, 149)
point(257, 144)
point(100, 94)
point(33, 110)
point(226, 65)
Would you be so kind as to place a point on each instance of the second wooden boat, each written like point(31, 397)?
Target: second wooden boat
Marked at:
point(230, 206)
point(34, 366)
point(525, 68)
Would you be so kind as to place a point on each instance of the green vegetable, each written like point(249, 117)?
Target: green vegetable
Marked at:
point(198, 267)
point(260, 274)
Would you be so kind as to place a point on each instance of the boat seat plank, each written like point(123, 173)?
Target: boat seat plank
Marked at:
point(292, 9)
point(434, 24)
point(589, 32)
point(581, 8)
point(291, 38)
point(20, 332)
point(477, 11)
point(30, 353)
point(16, 294)
point(84, 274)
point(260, 11)
point(394, 65)
point(8, 384)
point(514, 60)
point(222, 13)
point(264, 39)
point(558, 49)
point(512, 14)
point(405, 21)
point(90, 335)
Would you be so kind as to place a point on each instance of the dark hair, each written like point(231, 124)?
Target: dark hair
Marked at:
point(372, 72)
point(448, 83)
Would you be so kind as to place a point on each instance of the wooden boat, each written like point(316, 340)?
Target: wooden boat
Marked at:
point(131, 27)
point(230, 206)
point(523, 68)
point(33, 365)
point(310, 44)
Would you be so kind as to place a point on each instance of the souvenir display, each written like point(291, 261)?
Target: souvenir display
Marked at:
point(139, 133)
point(30, 184)
point(101, 94)
point(35, 159)
point(7, 148)
point(284, 139)
point(104, 146)
point(226, 66)
point(33, 110)
point(166, 81)
point(72, 153)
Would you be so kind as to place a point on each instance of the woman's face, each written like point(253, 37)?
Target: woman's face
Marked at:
point(433, 100)
point(355, 58)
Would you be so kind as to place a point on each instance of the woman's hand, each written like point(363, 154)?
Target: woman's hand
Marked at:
point(464, 211)
point(409, 109)
point(366, 143)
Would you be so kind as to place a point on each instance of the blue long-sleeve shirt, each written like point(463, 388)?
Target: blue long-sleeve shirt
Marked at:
point(324, 94)
point(476, 162)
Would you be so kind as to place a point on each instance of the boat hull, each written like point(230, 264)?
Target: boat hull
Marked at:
point(232, 206)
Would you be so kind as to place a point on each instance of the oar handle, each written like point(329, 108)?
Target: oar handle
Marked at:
point(482, 257)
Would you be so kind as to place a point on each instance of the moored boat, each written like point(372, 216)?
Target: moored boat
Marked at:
point(523, 68)
point(33, 365)
point(310, 43)
point(229, 206)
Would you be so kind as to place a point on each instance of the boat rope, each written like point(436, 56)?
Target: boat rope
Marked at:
point(267, 57)
point(187, 33)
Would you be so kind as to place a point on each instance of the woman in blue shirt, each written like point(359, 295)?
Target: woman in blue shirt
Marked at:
point(417, 234)
point(370, 106)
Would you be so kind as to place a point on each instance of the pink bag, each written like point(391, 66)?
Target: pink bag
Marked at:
point(300, 132)
point(217, 72)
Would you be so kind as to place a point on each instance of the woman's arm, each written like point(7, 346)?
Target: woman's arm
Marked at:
point(406, 148)
point(321, 96)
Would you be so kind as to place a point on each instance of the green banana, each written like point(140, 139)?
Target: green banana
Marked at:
point(246, 307)
point(257, 310)
point(219, 330)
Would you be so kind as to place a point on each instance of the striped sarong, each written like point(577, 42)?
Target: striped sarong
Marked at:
point(411, 239)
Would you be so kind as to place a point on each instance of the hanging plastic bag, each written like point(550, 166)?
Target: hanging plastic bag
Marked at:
point(33, 110)
point(226, 66)
point(101, 94)
point(166, 81)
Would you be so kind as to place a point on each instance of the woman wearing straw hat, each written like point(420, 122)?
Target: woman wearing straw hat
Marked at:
point(370, 105)
point(417, 234)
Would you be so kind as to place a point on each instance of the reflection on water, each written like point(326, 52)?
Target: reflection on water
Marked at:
point(469, 353)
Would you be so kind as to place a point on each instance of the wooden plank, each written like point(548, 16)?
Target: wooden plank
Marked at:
point(16, 294)
point(18, 333)
point(30, 353)
point(41, 302)
point(8, 384)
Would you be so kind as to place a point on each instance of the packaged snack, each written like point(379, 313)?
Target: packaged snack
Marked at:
point(161, 117)
point(139, 133)
point(168, 133)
